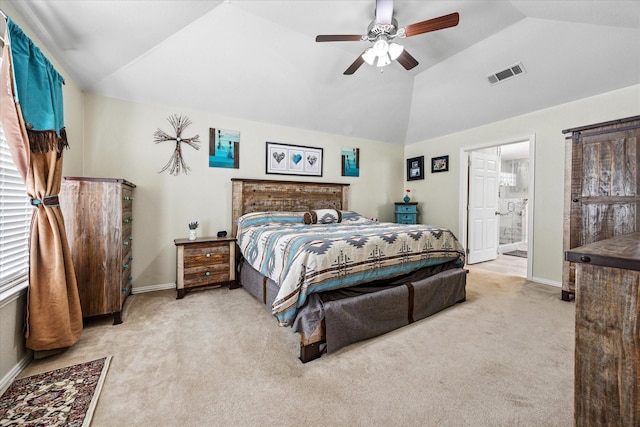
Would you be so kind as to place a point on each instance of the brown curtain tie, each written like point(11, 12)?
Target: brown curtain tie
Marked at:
point(47, 201)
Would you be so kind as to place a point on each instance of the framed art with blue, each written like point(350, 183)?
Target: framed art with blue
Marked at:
point(439, 164)
point(287, 159)
point(415, 168)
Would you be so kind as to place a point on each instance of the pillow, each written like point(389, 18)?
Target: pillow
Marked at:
point(326, 216)
point(260, 218)
point(350, 216)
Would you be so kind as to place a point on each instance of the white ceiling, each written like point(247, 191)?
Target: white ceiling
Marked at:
point(258, 60)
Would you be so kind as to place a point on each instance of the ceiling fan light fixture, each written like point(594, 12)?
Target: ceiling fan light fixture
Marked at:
point(395, 50)
point(383, 61)
point(381, 47)
point(368, 56)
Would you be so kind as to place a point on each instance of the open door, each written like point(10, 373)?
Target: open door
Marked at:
point(482, 236)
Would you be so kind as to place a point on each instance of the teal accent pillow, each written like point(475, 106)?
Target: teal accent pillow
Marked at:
point(260, 218)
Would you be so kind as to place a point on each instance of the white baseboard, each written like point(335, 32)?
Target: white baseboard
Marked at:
point(546, 282)
point(6, 381)
point(152, 288)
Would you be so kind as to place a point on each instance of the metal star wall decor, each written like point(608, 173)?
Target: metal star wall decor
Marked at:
point(176, 162)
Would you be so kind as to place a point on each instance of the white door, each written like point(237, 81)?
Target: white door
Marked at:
point(482, 233)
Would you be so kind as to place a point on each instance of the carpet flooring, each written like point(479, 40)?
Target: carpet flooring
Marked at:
point(62, 397)
point(217, 358)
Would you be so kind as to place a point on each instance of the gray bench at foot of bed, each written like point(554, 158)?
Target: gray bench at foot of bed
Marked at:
point(355, 318)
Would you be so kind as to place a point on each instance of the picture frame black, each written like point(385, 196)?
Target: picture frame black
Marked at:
point(287, 159)
point(439, 164)
point(415, 168)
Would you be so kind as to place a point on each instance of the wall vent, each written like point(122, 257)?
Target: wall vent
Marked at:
point(506, 74)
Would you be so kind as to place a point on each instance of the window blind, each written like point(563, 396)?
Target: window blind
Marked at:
point(15, 221)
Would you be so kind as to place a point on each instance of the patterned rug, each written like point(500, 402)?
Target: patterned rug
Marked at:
point(62, 397)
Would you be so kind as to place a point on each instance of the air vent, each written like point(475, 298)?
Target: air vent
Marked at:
point(503, 75)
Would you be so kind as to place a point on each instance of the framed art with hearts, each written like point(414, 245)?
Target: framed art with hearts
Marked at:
point(286, 159)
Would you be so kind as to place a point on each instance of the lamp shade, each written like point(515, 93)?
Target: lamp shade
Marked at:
point(395, 50)
point(368, 56)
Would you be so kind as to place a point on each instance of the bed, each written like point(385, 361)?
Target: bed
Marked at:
point(332, 275)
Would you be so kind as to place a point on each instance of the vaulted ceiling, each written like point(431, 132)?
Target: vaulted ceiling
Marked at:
point(258, 60)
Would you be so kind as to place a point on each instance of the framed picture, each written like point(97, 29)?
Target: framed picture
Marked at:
point(415, 168)
point(350, 158)
point(439, 164)
point(224, 148)
point(285, 159)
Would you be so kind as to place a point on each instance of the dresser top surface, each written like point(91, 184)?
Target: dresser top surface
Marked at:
point(621, 251)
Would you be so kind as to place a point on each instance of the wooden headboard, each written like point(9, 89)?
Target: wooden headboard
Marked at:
point(258, 195)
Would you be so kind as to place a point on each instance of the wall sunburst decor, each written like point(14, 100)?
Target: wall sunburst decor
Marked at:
point(176, 162)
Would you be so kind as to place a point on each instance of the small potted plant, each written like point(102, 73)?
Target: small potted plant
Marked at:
point(193, 225)
point(407, 198)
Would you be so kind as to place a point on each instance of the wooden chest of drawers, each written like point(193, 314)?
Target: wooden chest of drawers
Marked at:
point(98, 217)
point(407, 213)
point(607, 348)
point(204, 261)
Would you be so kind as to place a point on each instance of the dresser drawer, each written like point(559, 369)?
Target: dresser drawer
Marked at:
point(406, 218)
point(406, 208)
point(206, 275)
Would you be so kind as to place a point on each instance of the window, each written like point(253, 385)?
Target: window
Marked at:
point(15, 222)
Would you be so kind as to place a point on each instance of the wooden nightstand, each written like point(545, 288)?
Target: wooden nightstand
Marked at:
point(407, 213)
point(204, 261)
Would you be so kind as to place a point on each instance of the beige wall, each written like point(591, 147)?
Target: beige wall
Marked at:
point(438, 194)
point(119, 144)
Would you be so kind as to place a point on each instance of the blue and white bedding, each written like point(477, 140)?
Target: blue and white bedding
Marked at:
point(304, 256)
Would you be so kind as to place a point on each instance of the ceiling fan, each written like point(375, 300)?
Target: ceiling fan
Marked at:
point(382, 31)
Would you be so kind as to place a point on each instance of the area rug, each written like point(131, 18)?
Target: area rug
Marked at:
point(520, 254)
point(62, 397)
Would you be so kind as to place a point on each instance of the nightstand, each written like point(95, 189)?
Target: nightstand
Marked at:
point(204, 261)
point(407, 213)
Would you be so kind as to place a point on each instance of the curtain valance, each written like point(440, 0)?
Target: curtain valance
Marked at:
point(38, 90)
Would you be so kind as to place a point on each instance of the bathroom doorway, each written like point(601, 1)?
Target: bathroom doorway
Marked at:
point(510, 231)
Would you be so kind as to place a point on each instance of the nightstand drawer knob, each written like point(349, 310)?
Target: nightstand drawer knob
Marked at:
point(130, 237)
point(208, 255)
point(126, 266)
point(125, 243)
point(125, 289)
point(130, 258)
point(130, 278)
point(207, 274)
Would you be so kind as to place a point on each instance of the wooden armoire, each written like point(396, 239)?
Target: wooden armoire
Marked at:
point(601, 186)
point(98, 217)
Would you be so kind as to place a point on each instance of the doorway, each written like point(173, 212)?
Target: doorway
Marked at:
point(502, 240)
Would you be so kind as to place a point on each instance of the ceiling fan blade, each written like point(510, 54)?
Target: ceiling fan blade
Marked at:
point(406, 60)
point(434, 24)
point(384, 11)
point(338, 38)
point(354, 67)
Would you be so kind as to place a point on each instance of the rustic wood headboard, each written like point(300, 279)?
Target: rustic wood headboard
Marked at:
point(258, 195)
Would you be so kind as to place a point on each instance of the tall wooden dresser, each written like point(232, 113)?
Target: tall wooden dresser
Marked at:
point(98, 216)
point(602, 186)
point(607, 346)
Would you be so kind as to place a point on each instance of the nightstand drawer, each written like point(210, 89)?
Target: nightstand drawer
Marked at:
point(199, 255)
point(406, 218)
point(206, 275)
point(406, 208)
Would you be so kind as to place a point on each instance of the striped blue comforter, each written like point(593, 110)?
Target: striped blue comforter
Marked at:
point(303, 259)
